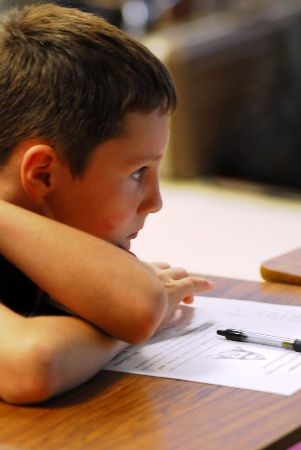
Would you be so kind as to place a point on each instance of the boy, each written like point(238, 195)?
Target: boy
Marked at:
point(84, 124)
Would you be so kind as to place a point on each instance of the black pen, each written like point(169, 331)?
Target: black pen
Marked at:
point(257, 338)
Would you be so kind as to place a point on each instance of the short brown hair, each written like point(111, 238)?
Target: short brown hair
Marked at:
point(69, 78)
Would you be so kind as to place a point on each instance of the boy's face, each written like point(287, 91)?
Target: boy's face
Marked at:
point(120, 185)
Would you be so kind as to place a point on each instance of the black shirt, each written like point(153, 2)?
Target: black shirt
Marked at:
point(20, 294)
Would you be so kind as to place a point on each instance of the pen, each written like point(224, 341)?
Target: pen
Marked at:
point(257, 338)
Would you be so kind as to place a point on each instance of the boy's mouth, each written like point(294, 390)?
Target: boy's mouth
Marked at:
point(133, 236)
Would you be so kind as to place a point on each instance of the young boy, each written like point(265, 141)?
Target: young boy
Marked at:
point(84, 124)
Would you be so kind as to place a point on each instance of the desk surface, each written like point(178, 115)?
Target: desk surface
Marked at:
point(131, 412)
point(285, 268)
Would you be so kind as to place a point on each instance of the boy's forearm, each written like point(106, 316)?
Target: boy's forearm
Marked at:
point(44, 356)
point(78, 354)
point(98, 281)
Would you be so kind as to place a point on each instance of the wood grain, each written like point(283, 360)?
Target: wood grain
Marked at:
point(131, 412)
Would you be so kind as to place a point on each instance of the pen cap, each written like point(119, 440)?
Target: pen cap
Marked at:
point(232, 334)
point(297, 345)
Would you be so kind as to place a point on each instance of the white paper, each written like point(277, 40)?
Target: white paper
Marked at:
point(188, 348)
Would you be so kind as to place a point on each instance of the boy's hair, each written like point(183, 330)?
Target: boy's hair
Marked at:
point(69, 78)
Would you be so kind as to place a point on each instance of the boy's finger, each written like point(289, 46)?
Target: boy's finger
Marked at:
point(188, 300)
point(173, 273)
point(162, 265)
point(190, 285)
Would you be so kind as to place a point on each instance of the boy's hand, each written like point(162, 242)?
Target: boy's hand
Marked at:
point(179, 285)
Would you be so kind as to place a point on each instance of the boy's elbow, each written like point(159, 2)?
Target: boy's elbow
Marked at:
point(148, 317)
point(31, 381)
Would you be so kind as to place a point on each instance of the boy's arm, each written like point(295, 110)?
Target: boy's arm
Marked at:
point(44, 356)
point(99, 282)
point(96, 280)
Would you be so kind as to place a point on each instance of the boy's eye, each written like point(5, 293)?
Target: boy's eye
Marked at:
point(137, 175)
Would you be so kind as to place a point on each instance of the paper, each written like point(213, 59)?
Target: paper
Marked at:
point(188, 348)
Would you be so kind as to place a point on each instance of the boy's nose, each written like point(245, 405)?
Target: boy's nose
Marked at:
point(152, 202)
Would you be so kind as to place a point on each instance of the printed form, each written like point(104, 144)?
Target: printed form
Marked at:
point(188, 347)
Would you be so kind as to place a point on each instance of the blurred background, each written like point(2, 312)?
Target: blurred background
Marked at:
point(231, 179)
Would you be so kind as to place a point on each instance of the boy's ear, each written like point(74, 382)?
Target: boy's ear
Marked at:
point(38, 170)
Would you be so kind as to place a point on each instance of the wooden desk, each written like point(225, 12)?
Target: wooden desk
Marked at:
point(129, 412)
point(284, 268)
